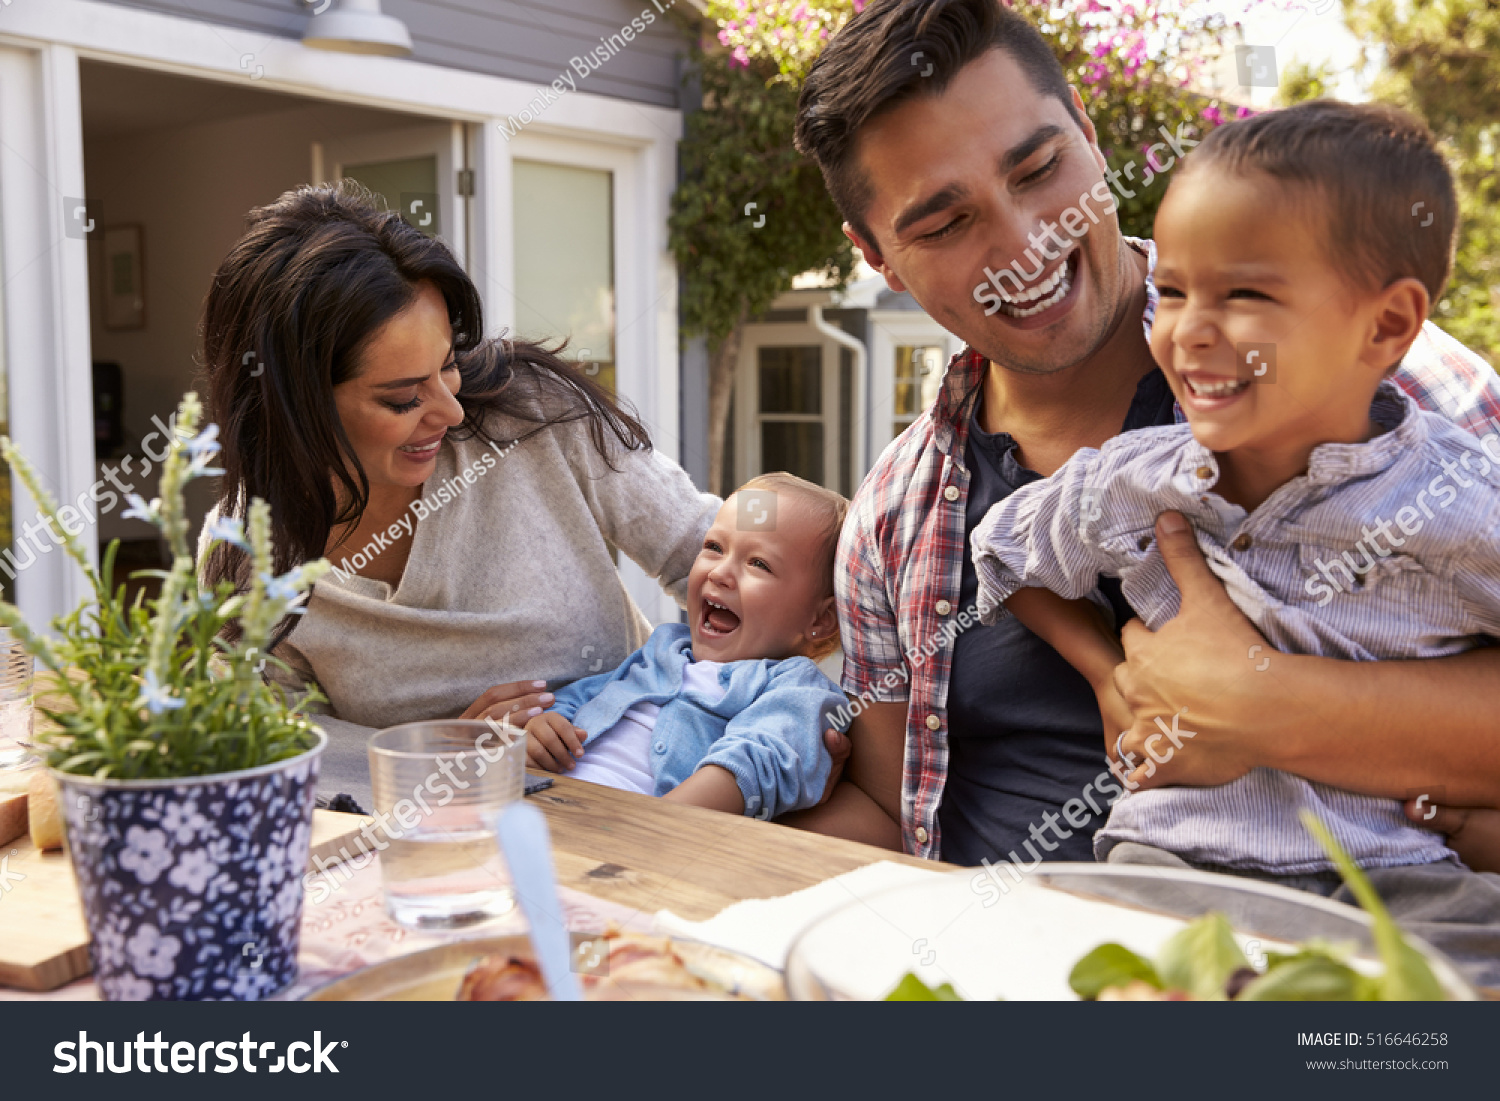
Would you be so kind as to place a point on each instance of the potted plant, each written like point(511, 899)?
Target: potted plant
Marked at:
point(186, 781)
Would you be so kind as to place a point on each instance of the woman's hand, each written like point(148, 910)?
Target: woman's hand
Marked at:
point(1473, 832)
point(520, 701)
point(552, 743)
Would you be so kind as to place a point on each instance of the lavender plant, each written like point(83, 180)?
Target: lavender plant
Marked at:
point(154, 691)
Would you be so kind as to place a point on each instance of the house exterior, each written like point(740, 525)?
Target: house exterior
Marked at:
point(537, 137)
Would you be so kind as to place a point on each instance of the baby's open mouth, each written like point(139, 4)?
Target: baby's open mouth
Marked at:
point(718, 620)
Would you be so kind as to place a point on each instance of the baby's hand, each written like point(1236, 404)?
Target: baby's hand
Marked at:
point(1473, 833)
point(552, 743)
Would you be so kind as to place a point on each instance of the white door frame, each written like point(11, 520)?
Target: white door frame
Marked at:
point(45, 310)
point(747, 416)
point(889, 329)
point(46, 295)
point(445, 141)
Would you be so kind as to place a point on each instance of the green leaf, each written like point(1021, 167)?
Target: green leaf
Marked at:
point(1200, 957)
point(913, 989)
point(1310, 977)
point(1407, 978)
point(1107, 966)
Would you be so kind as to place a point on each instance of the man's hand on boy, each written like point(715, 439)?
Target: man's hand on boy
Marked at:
point(552, 743)
point(1199, 668)
point(1473, 832)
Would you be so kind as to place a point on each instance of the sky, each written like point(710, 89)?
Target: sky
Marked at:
point(1311, 31)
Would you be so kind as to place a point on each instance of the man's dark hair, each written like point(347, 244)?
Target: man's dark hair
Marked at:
point(1386, 199)
point(897, 50)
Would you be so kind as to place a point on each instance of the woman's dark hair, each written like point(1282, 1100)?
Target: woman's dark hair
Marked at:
point(896, 50)
point(289, 314)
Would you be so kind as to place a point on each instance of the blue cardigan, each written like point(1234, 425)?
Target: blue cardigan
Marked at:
point(767, 730)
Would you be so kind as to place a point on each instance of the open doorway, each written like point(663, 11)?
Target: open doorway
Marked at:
point(172, 165)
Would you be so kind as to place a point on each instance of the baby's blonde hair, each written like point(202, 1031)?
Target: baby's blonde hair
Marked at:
point(830, 508)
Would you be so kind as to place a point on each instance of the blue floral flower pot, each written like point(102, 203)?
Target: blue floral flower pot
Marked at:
point(192, 887)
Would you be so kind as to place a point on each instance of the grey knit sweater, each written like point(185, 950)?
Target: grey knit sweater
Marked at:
point(510, 577)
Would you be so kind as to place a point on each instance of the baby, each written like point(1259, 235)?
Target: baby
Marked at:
point(728, 710)
point(1343, 520)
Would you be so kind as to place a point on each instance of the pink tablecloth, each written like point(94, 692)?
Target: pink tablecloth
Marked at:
point(349, 930)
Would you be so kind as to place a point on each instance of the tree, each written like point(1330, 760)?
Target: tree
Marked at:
point(1134, 62)
point(1442, 62)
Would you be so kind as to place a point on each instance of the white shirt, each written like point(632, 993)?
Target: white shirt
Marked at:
point(621, 756)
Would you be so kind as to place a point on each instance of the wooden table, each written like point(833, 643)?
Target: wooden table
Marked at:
point(652, 855)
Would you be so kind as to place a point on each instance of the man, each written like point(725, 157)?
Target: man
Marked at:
point(969, 175)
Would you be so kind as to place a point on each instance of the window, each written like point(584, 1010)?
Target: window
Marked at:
point(918, 373)
point(791, 410)
point(564, 261)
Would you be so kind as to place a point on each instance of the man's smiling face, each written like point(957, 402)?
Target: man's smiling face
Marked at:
point(971, 179)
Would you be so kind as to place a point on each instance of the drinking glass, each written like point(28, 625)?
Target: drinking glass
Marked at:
point(436, 783)
point(15, 701)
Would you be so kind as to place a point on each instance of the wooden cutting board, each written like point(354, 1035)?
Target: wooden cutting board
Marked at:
point(44, 942)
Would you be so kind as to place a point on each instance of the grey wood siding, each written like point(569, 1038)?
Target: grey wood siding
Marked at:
point(529, 40)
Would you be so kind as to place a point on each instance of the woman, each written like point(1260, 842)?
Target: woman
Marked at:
point(469, 492)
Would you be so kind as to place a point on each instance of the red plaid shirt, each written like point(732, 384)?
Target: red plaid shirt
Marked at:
point(900, 557)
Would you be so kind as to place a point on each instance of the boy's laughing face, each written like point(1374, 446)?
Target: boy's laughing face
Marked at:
point(759, 593)
point(1267, 346)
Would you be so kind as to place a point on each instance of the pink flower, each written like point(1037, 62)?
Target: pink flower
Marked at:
point(741, 58)
point(1213, 116)
point(1243, 112)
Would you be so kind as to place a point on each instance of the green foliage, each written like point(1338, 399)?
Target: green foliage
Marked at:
point(737, 151)
point(1108, 966)
point(913, 989)
point(1442, 61)
point(162, 695)
point(1202, 958)
point(1301, 81)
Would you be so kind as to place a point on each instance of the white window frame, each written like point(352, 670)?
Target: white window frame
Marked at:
point(46, 312)
point(445, 142)
point(747, 415)
point(890, 329)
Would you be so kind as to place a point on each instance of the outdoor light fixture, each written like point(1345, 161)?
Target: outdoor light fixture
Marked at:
point(356, 27)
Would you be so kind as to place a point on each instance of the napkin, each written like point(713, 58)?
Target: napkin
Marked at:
point(764, 928)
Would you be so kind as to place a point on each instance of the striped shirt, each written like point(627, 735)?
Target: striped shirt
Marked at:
point(900, 557)
point(1383, 550)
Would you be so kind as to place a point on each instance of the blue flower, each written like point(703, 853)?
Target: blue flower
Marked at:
point(283, 588)
point(202, 448)
point(229, 530)
point(140, 510)
point(157, 697)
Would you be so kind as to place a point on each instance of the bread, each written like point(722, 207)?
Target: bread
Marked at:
point(12, 817)
point(43, 811)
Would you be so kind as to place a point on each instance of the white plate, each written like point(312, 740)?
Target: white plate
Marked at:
point(1021, 944)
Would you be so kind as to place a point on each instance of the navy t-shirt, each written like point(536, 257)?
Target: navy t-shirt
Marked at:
point(1024, 732)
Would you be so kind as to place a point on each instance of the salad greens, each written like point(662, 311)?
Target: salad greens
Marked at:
point(1203, 961)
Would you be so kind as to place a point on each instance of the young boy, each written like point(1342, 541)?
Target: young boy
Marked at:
point(1299, 254)
point(728, 710)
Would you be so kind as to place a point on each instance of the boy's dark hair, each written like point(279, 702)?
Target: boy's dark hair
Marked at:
point(897, 50)
point(1387, 195)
